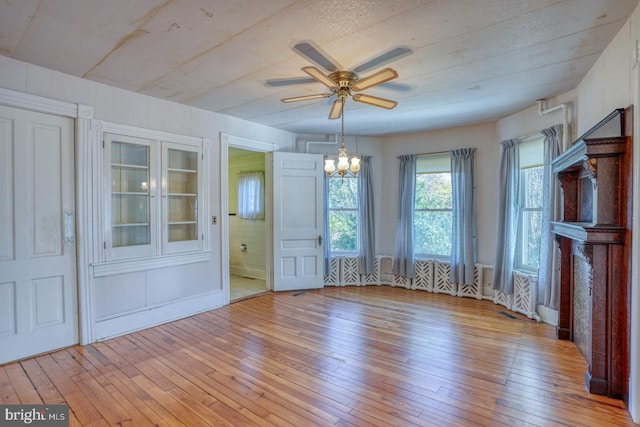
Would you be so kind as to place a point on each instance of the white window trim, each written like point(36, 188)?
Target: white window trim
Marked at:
point(445, 157)
point(518, 259)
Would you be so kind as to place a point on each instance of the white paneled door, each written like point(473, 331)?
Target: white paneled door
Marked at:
point(38, 294)
point(297, 221)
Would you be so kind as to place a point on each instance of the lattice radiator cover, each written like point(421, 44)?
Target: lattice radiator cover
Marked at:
point(433, 276)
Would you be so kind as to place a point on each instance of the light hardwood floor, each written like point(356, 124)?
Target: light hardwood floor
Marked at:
point(338, 356)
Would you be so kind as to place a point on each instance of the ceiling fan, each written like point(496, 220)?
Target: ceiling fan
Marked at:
point(344, 84)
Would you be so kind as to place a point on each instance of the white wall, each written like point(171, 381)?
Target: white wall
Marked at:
point(529, 121)
point(608, 84)
point(483, 137)
point(124, 301)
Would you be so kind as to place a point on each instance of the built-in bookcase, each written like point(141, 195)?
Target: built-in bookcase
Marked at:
point(130, 207)
point(153, 192)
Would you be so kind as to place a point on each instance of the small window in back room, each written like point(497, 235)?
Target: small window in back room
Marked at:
point(251, 195)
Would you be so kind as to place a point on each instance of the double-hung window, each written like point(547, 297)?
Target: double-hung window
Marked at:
point(251, 195)
point(530, 220)
point(343, 215)
point(433, 207)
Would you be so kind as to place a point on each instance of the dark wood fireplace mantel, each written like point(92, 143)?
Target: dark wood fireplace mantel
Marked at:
point(594, 236)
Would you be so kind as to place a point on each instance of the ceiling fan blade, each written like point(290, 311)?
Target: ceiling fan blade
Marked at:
point(288, 82)
point(314, 55)
point(320, 76)
point(375, 79)
point(336, 109)
point(306, 97)
point(383, 58)
point(374, 100)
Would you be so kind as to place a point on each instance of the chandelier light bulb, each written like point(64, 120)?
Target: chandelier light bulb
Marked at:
point(355, 165)
point(329, 166)
point(343, 162)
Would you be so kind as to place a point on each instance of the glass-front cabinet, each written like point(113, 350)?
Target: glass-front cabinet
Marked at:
point(180, 198)
point(154, 204)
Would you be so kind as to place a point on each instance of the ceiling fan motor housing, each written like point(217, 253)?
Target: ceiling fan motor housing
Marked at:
point(344, 79)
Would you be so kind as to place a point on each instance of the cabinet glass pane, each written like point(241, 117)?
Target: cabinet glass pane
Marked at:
point(182, 232)
point(182, 184)
point(182, 208)
point(129, 154)
point(130, 212)
point(130, 235)
point(128, 179)
point(185, 160)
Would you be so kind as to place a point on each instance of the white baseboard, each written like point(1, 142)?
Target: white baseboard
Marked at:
point(247, 272)
point(548, 315)
point(156, 316)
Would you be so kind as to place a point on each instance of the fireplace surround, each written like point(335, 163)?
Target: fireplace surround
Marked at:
point(594, 237)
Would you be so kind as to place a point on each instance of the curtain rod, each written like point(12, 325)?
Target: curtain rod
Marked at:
point(433, 153)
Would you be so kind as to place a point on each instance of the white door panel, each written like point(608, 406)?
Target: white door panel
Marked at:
point(297, 221)
point(38, 295)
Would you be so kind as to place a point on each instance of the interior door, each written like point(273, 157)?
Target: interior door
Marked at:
point(38, 294)
point(297, 221)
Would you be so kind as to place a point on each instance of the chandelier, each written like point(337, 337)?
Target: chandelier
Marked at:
point(344, 166)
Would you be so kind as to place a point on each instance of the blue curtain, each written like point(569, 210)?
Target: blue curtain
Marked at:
point(366, 256)
point(508, 213)
point(327, 236)
point(548, 287)
point(403, 264)
point(463, 242)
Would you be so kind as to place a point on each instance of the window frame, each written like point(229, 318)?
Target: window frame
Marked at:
point(522, 208)
point(355, 210)
point(255, 179)
point(441, 157)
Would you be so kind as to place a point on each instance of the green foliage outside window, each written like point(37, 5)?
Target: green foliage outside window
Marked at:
point(433, 214)
point(343, 214)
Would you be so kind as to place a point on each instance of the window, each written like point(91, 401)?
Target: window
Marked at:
point(530, 220)
point(433, 207)
point(251, 195)
point(343, 214)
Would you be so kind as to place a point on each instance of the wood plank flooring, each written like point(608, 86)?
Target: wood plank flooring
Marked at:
point(361, 356)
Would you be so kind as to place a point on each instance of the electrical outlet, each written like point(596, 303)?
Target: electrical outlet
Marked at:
point(214, 220)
